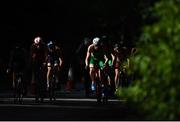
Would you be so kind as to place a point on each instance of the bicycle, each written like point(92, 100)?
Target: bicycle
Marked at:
point(102, 92)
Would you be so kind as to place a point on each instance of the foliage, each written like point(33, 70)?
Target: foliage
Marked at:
point(157, 66)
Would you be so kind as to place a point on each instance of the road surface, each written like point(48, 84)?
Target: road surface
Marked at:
point(68, 106)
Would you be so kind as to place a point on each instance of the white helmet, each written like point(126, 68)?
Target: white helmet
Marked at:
point(37, 40)
point(96, 40)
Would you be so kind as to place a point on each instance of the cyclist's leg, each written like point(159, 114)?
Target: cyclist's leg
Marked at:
point(92, 73)
point(18, 83)
point(99, 74)
point(49, 72)
point(14, 86)
point(41, 84)
point(55, 79)
point(20, 86)
point(116, 78)
point(116, 74)
point(36, 85)
point(92, 76)
point(38, 80)
point(51, 81)
point(98, 85)
point(105, 82)
point(53, 86)
point(56, 72)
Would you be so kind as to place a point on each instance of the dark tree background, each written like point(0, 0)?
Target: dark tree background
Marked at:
point(69, 22)
point(156, 87)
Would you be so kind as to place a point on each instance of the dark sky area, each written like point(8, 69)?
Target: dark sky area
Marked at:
point(66, 21)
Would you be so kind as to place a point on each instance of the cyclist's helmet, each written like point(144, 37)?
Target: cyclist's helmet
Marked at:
point(116, 46)
point(51, 45)
point(37, 40)
point(96, 41)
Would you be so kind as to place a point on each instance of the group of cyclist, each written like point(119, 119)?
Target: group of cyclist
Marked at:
point(46, 61)
point(103, 65)
point(107, 66)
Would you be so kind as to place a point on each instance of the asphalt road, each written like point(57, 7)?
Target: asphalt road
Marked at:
point(67, 107)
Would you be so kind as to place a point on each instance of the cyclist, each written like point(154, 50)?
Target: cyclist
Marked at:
point(17, 65)
point(95, 55)
point(80, 56)
point(119, 61)
point(54, 61)
point(38, 54)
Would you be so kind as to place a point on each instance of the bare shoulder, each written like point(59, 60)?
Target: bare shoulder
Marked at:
point(90, 47)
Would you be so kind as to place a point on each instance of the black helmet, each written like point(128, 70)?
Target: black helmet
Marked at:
point(116, 45)
point(51, 45)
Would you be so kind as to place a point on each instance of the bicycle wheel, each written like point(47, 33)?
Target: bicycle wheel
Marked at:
point(98, 91)
point(18, 90)
point(104, 94)
point(52, 89)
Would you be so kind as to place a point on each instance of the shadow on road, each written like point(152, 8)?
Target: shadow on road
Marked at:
point(68, 106)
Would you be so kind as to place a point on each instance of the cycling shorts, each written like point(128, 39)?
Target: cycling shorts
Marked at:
point(97, 63)
point(52, 61)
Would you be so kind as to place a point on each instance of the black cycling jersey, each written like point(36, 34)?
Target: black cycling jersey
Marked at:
point(53, 56)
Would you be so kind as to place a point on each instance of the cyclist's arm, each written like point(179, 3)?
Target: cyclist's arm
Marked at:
point(87, 56)
point(106, 59)
point(60, 61)
point(113, 58)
